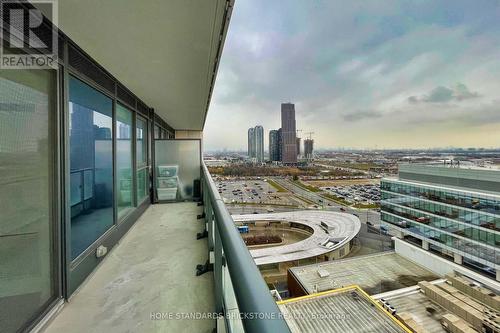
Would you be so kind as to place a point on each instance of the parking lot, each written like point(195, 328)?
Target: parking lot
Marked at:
point(358, 193)
point(251, 192)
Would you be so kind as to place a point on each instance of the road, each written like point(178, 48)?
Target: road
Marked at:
point(236, 209)
point(364, 215)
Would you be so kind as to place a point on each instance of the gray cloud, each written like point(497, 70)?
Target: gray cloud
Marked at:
point(443, 94)
point(355, 66)
point(361, 115)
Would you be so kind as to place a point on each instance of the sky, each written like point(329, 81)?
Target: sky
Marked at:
point(362, 74)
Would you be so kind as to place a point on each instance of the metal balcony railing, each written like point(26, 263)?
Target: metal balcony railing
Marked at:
point(241, 294)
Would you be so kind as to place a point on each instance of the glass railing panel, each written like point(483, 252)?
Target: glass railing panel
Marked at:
point(233, 319)
point(240, 291)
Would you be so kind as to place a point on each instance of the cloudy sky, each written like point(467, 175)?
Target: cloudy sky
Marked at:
point(363, 74)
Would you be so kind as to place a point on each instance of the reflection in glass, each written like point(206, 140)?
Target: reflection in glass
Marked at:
point(142, 159)
point(27, 101)
point(91, 164)
point(124, 160)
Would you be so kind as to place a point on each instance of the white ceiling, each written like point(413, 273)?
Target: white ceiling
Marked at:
point(164, 51)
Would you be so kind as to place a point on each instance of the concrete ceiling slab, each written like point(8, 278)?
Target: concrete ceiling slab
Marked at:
point(166, 52)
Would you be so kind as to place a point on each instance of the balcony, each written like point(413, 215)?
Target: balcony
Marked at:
point(151, 271)
point(148, 282)
point(83, 249)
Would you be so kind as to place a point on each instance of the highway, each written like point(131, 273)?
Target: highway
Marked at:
point(364, 215)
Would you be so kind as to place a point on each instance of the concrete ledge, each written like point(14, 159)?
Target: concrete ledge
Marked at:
point(439, 265)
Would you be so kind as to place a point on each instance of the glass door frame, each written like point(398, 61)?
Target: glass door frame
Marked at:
point(54, 206)
point(74, 276)
point(147, 167)
point(133, 151)
point(77, 270)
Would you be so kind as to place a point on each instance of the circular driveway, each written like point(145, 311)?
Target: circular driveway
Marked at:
point(331, 231)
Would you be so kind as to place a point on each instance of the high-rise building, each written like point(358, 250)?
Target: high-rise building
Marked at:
point(274, 145)
point(289, 143)
point(298, 145)
point(259, 143)
point(308, 148)
point(251, 142)
point(280, 145)
point(256, 143)
point(450, 211)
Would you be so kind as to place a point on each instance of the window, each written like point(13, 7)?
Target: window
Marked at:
point(157, 132)
point(27, 224)
point(142, 159)
point(91, 164)
point(124, 161)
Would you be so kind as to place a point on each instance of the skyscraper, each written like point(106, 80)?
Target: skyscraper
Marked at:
point(308, 148)
point(280, 145)
point(256, 143)
point(259, 143)
point(274, 147)
point(298, 146)
point(251, 142)
point(288, 136)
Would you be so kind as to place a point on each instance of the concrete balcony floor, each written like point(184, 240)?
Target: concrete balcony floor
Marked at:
point(151, 270)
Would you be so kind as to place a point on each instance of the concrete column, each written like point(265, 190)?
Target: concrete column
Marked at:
point(498, 274)
point(457, 258)
point(425, 245)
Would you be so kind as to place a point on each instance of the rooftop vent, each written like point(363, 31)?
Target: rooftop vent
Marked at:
point(323, 273)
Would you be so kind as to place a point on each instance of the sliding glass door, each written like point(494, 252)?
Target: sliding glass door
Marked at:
point(124, 170)
point(142, 160)
point(91, 164)
point(28, 278)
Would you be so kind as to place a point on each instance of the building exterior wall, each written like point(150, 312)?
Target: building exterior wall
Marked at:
point(251, 142)
point(437, 264)
point(461, 222)
point(256, 143)
point(259, 143)
point(273, 145)
point(308, 148)
point(478, 179)
point(298, 146)
point(188, 134)
point(289, 144)
point(280, 145)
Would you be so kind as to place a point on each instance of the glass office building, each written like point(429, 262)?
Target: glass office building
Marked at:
point(449, 210)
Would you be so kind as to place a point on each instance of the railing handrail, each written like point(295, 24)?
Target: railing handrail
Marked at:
point(259, 310)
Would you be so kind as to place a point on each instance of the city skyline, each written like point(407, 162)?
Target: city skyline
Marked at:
point(427, 72)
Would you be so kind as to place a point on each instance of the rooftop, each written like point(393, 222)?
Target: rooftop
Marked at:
point(342, 228)
point(344, 310)
point(451, 188)
point(427, 304)
point(418, 305)
point(481, 179)
point(374, 273)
